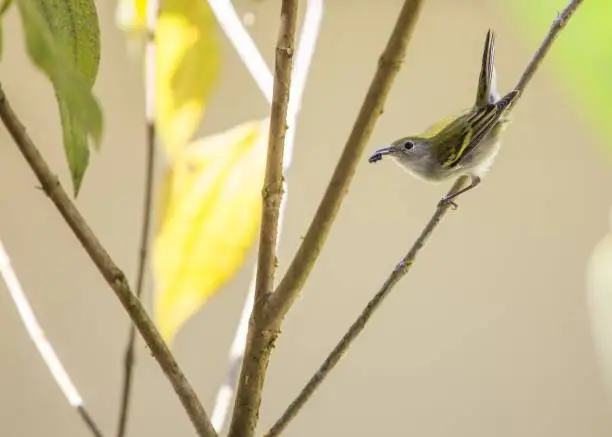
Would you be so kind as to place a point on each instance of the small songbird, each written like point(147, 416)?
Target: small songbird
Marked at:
point(464, 144)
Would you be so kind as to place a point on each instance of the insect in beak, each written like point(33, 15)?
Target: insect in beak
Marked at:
point(378, 155)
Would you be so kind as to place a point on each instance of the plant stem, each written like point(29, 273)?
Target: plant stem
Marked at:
point(555, 28)
point(406, 263)
point(371, 108)
point(42, 343)
point(110, 271)
point(260, 337)
point(341, 347)
point(129, 357)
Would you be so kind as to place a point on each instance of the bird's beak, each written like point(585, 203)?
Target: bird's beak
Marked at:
point(378, 155)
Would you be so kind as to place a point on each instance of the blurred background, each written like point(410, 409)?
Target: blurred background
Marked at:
point(490, 332)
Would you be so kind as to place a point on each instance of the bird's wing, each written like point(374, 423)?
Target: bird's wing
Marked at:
point(478, 124)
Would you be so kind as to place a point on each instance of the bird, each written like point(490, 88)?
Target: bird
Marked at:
point(462, 144)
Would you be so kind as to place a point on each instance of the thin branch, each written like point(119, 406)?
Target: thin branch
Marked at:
point(334, 357)
point(249, 55)
point(91, 424)
point(37, 335)
point(129, 357)
point(110, 271)
point(406, 263)
point(308, 252)
point(260, 338)
point(557, 25)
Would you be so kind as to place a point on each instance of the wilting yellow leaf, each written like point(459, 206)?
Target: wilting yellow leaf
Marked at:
point(187, 63)
point(210, 213)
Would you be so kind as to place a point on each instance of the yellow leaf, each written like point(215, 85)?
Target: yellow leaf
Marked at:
point(187, 63)
point(210, 214)
point(187, 68)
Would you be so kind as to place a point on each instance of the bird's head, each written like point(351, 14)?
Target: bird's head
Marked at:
point(404, 151)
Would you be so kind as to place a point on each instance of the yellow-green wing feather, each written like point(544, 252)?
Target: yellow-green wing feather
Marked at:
point(469, 131)
point(437, 127)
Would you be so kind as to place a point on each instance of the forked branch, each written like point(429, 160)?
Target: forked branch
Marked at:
point(371, 108)
point(406, 263)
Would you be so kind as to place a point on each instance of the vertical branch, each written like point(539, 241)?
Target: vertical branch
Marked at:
point(129, 357)
point(113, 275)
point(37, 335)
point(273, 183)
point(260, 338)
point(252, 59)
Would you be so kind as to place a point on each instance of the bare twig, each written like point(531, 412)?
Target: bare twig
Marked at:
point(404, 266)
point(388, 66)
point(332, 359)
point(260, 338)
point(129, 357)
point(228, 18)
point(91, 424)
point(557, 25)
point(37, 335)
point(110, 271)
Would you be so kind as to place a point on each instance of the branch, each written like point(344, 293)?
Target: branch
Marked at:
point(334, 357)
point(406, 263)
point(251, 57)
point(110, 271)
point(557, 25)
point(129, 357)
point(37, 335)
point(260, 338)
point(308, 252)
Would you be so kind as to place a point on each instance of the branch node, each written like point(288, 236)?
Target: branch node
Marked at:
point(284, 51)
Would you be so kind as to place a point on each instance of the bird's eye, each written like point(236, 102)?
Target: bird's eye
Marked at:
point(408, 145)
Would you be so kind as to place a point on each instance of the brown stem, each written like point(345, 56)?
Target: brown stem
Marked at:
point(334, 357)
point(404, 266)
point(371, 108)
point(557, 25)
point(261, 337)
point(107, 267)
point(91, 424)
point(130, 354)
point(129, 357)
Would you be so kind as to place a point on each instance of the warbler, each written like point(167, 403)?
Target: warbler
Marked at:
point(464, 144)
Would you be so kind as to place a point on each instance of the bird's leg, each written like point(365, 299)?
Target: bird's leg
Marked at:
point(448, 200)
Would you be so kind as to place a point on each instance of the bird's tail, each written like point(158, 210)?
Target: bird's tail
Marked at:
point(487, 84)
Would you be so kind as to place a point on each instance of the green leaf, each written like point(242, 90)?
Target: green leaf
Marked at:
point(582, 56)
point(63, 40)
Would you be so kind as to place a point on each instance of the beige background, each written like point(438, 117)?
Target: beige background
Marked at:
point(488, 335)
